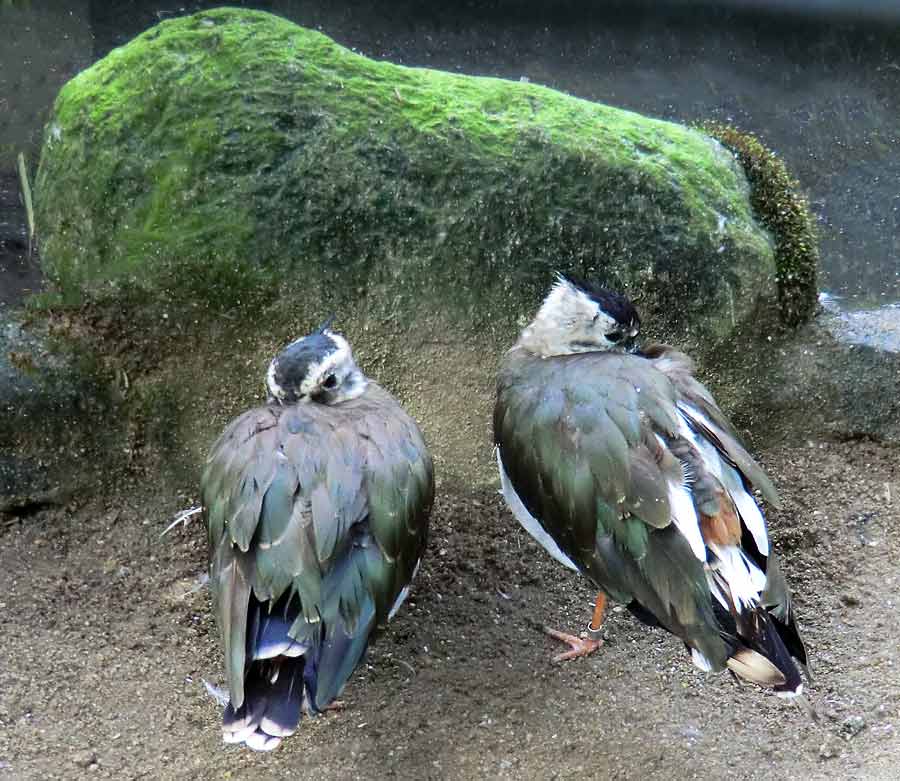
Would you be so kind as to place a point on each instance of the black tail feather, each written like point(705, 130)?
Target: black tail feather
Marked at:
point(271, 709)
point(760, 655)
point(274, 681)
point(771, 645)
point(761, 632)
point(790, 636)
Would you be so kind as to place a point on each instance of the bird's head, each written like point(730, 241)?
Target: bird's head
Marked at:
point(578, 316)
point(317, 368)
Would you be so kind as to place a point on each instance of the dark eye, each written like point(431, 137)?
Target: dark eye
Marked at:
point(614, 336)
point(330, 381)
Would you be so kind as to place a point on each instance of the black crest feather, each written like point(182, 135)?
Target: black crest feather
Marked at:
point(329, 321)
point(614, 304)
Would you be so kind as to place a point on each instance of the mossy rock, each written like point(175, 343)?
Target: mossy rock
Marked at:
point(233, 173)
point(228, 153)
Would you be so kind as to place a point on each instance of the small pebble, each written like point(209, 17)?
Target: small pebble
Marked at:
point(85, 758)
point(852, 726)
point(828, 750)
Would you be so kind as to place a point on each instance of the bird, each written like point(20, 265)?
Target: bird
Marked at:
point(621, 465)
point(316, 506)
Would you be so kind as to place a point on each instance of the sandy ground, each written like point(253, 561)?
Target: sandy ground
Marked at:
point(105, 643)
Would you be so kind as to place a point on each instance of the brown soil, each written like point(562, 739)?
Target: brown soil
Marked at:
point(104, 646)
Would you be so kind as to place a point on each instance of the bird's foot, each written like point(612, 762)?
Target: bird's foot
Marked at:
point(336, 705)
point(581, 646)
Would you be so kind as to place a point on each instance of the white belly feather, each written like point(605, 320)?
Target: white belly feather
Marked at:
point(531, 524)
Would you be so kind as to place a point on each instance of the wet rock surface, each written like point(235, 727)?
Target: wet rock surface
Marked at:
point(25, 485)
point(877, 327)
point(52, 417)
point(837, 376)
point(20, 274)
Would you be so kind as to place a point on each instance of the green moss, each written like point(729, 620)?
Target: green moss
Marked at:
point(784, 210)
point(234, 145)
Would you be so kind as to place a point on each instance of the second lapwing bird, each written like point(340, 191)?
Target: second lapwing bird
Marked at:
point(317, 511)
point(622, 467)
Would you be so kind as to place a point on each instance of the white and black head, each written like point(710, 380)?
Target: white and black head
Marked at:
point(317, 368)
point(578, 316)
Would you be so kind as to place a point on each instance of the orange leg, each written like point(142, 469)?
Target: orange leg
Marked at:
point(582, 646)
point(599, 610)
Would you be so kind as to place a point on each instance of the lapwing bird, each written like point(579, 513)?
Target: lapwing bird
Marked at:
point(317, 511)
point(621, 465)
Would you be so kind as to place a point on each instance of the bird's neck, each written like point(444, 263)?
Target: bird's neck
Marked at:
point(545, 337)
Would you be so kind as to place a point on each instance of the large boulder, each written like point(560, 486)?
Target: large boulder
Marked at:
point(226, 179)
point(234, 149)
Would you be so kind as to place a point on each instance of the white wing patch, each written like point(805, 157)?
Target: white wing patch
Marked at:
point(700, 661)
point(706, 449)
point(731, 573)
point(684, 516)
point(404, 593)
point(735, 572)
point(747, 507)
point(528, 521)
